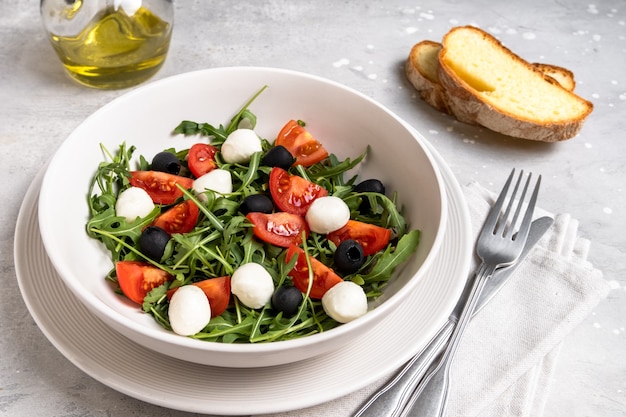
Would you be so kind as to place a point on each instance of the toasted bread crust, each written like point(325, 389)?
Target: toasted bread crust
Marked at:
point(422, 76)
point(444, 89)
point(562, 75)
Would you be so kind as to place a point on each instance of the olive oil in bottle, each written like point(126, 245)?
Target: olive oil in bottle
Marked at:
point(115, 49)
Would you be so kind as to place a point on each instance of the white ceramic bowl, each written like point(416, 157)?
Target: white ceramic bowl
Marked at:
point(345, 121)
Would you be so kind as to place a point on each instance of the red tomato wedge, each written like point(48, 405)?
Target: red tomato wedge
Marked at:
point(161, 186)
point(217, 291)
point(373, 238)
point(201, 159)
point(181, 218)
point(324, 278)
point(303, 146)
point(280, 229)
point(136, 279)
point(291, 193)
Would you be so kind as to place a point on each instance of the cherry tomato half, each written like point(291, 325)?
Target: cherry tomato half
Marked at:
point(292, 193)
point(303, 146)
point(181, 218)
point(136, 279)
point(161, 186)
point(324, 278)
point(371, 237)
point(217, 291)
point(280, 229)
point(201, 159)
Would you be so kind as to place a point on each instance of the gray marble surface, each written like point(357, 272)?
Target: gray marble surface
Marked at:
point(362, 44)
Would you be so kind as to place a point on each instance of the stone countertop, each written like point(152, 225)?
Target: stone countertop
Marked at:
point(362, 45)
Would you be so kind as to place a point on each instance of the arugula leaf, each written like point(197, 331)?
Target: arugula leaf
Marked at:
point(391, 258)
point(187, 128)
point(220, 133)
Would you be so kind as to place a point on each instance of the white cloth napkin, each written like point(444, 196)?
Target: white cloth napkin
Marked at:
point(506, 359)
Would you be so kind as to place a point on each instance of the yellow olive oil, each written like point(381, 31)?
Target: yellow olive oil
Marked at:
point(115, 50)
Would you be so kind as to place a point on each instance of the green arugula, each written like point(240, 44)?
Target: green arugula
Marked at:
point(223, 238)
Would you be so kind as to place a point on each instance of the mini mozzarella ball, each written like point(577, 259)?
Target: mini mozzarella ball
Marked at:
point(133, 202)
point(240, 145)
point(218, 180)
point(327, 214)
point(345, 301)
point(252, 285)
point(189, 310)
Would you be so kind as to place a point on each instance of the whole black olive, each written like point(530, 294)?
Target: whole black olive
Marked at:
point(166, 162)
point(349, 256)
point(152, 242)
point(287, 299)
point(278, 156)
point(256, 203)
point(369, 186)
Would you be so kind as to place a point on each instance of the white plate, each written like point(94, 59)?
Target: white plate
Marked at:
point(95, 348)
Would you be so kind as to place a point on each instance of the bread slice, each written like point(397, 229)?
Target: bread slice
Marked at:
point(421, 70)
point(423, 64)
point(487, 84)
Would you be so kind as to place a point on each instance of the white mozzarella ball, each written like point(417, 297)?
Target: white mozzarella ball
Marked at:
point(345, 301)
point(252, 285)
point(240, 145)
point(189, 310)
point(218, 180)
point(133, 202)
point(327, 214)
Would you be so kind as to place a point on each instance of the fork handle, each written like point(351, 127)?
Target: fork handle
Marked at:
point(390, 400)
point(430, 397)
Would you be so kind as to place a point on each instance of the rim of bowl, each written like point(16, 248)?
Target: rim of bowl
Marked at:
point(106, 312)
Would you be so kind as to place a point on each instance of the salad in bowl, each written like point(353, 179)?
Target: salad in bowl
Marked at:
point(242, 217)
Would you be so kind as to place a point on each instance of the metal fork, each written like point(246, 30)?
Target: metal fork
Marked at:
point(497, 246)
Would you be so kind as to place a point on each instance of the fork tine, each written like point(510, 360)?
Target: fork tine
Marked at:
point(513, 222)
point(502, 228)
point(525, 226)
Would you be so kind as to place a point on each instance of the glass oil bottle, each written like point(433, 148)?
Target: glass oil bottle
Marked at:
point(109, 44)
